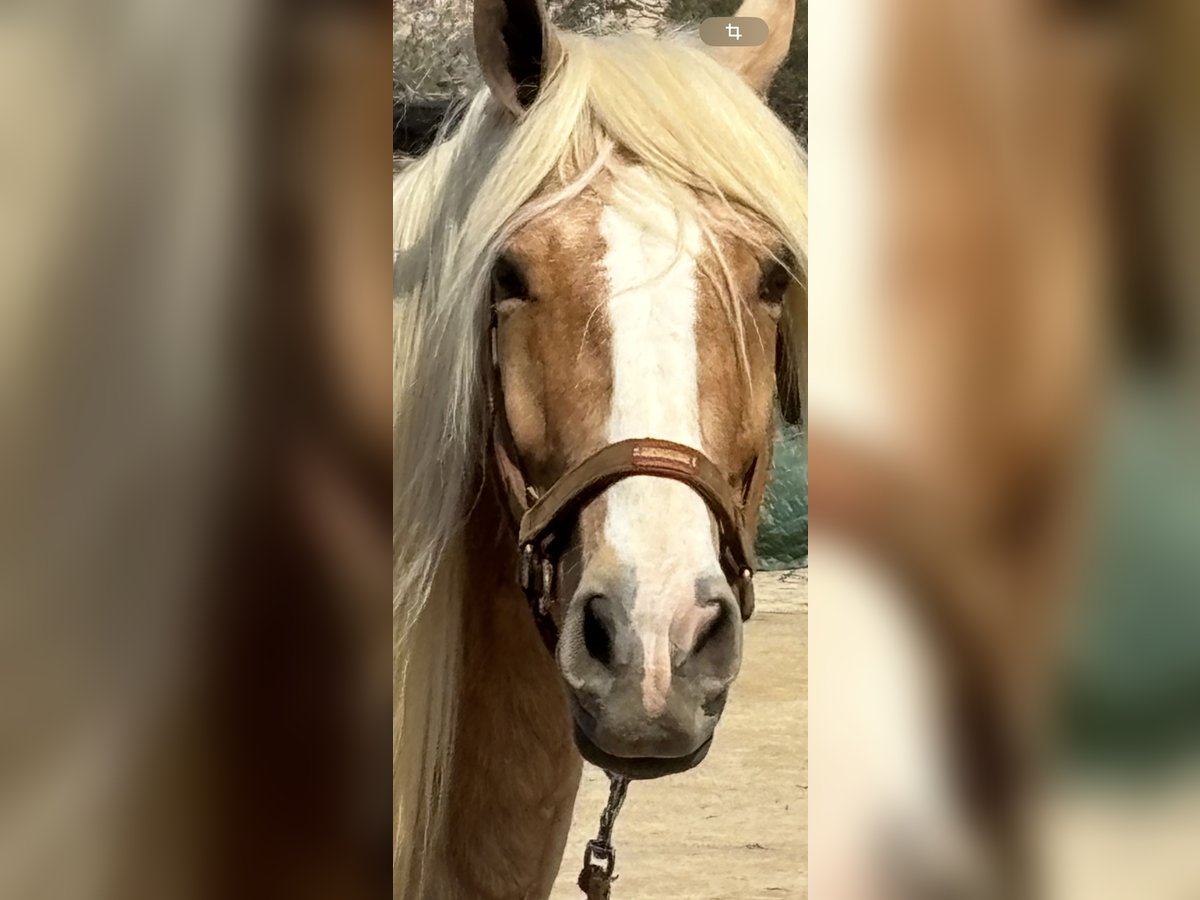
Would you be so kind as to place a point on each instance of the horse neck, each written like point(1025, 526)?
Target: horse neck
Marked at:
point(515, 768)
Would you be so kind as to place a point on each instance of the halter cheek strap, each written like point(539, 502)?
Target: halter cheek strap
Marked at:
point(543, 520)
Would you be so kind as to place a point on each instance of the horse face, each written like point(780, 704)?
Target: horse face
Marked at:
point(612, 325)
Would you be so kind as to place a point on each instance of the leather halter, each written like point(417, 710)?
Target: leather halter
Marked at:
point(543, 519)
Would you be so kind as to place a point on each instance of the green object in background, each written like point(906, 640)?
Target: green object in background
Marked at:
point(783, 527)
point(1131, 697)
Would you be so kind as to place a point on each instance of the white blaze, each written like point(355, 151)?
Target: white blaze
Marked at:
point(659, 527)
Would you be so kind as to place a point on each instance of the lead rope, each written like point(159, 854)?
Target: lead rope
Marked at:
point(596, 878)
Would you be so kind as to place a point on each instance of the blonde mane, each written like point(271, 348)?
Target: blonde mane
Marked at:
point(452, 212)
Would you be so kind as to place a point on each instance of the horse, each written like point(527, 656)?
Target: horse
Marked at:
point(598, 296)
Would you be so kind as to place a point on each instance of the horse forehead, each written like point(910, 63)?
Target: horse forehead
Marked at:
point(565, 234)
point(567, 240)
point(571, 228)
point(619, 234)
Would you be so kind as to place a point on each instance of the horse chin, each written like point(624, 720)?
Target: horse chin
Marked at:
point(638, 767)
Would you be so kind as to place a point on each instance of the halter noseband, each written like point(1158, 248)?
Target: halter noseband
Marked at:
point(542, 519)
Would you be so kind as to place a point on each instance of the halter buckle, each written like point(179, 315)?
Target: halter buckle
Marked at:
point(528, 569)
point(546, 587)
point(746, 593)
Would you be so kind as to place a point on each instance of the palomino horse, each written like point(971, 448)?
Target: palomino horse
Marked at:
point(597, 291)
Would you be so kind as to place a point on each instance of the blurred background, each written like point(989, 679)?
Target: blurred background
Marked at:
point(1003, 301)
point(194, 449)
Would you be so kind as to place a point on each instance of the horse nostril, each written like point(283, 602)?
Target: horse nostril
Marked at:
point(713, 628)
point(597, 633)
point(716, 649)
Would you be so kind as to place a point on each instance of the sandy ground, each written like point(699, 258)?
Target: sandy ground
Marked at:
point(735, 827)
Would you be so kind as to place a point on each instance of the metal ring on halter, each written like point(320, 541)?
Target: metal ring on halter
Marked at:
point(604, 851)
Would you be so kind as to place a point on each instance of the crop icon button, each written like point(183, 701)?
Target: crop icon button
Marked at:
point(733, 31)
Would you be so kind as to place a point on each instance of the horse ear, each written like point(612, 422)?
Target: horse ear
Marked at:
point(517, 49)
point(758, 65)
point(791, 365)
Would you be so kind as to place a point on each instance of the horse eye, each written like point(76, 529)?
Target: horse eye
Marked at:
point(776, 276)
point(507, 281)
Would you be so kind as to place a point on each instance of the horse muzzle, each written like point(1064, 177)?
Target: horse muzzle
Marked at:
point(646, 718)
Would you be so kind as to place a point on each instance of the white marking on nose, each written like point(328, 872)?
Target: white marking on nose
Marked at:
point(661, 528)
